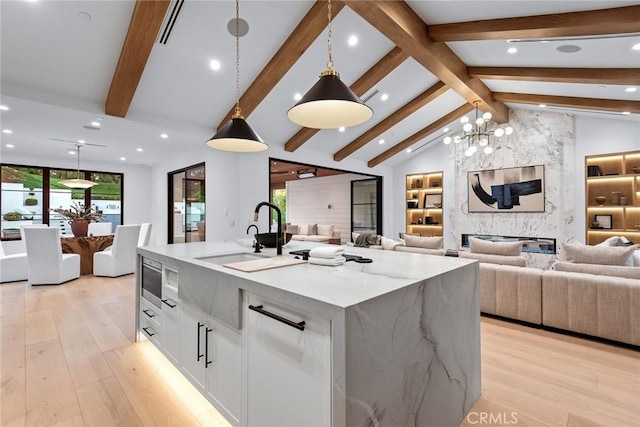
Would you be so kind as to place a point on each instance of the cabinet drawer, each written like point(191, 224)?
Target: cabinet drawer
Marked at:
point(150, 314)
point(151, 331)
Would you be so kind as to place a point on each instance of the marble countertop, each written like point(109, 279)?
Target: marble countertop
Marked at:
point(341, 287)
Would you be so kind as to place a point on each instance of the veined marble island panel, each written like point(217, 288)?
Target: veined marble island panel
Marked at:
point(405, 329)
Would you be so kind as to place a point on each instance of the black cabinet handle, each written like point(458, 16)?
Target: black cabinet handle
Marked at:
point(148, 333)
point(207, 362)
point(200, 325)
point(170, 305)
point(259, 309)
point(147, 313)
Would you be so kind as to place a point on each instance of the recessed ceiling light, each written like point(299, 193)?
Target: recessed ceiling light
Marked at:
point(568, 48)
point(384, 96)
point(214, 64)
point(631, 89)
point(72, 152)
point(353, 40)
point(542, 105)
point(636, 46)
point(4, 108)
point(445, 130)
point(297, 96)
point(341, 129)
point(626, 113)
point(95, 123)
point(7, 131)
point(381, 142)
point(408, 150)
point(164, 136)
point(139, 149)
point(123, 158)
point(9, 145)
point(512, 50)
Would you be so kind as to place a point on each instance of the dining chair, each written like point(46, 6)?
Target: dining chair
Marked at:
point(13, 267)
point(99, 229)
point(47, 264)
point(145, 233)
point(120, 258)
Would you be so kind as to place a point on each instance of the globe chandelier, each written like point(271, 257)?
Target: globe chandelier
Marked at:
point(477, 134)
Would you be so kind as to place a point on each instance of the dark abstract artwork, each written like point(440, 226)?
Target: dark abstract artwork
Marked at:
point(507, 190)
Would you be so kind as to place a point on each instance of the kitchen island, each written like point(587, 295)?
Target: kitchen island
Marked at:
point(392, 343)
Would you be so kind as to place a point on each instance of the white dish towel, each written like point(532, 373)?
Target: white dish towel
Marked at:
point(327, 252)
point(333, 262)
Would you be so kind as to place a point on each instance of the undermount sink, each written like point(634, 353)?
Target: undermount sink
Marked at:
point(229, 258)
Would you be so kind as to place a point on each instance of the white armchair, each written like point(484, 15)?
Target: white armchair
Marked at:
point(99, 229)
point(47, 264)
point(120, 259)
point(145, 233)
point(13, 268)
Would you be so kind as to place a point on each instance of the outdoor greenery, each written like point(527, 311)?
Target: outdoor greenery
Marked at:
point(279, 198)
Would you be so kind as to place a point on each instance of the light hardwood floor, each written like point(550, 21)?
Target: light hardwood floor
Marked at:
point(68, 358)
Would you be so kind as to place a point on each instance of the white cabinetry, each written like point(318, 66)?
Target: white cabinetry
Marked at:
point(171, 326)
point(211, 358)
point(151, 322)
point(288, 369)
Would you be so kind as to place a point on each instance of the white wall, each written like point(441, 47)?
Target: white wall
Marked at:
point(559, 141)
point(308, 202)
point(137, 182)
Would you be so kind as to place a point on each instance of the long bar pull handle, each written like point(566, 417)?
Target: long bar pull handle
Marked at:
point(147, 313)
point(166, 302)
point(148, 333)
point(207, 362)
point(260, 309)
point(200, 325)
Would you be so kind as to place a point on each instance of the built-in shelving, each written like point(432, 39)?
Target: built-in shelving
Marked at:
point(616, 177)
point(424, 203)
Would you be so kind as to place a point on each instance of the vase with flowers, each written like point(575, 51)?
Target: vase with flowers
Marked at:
point(79, 217)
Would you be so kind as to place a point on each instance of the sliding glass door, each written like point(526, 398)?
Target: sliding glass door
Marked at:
point(366, 206)
point(187, 205)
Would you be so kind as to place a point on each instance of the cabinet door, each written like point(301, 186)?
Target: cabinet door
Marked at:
point(171, 327)
point(288, 370)
point(224, 373)
point(192, 332)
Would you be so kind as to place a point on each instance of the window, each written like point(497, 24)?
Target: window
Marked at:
point(28, 192)
point(187, 205)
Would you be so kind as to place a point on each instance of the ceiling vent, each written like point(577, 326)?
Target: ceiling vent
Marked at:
point(169, 21)
point(371, 95)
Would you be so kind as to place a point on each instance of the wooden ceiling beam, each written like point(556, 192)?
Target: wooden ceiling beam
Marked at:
point(421, 134)
point(400, 24)
point(305, 33)
point(613, 105)
point(373, 75)
point(619, 20)
point(400, 114)
point(617, 76)
point(145, 24)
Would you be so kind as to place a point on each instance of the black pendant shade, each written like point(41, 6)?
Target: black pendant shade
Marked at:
point(329, 104)
point(237, 136)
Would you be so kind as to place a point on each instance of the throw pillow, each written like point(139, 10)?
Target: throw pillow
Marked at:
point(293, 229)
point(611, 241)
point(388, 244)
point(325, 230)
point(480, 246)
point(607, 255)
point(423, 242)
point(312, 229)
point(636, 258)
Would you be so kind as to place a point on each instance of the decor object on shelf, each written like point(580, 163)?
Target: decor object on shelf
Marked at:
point(427, 187)
point(624, 200)
point(77, 182)
point(430, 200)
point(477, 134)
point(601, 200)
point(615, 197)
point(605, 221)
point(329, 104)
point(594, 170)
point(237, 135)
point(511, 189)
point(12, 216)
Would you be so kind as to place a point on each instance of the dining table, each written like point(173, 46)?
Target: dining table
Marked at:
point(85, 247)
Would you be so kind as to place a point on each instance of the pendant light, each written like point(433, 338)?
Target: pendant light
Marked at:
point(329, 104)
point(77, 182)
point(237, 135)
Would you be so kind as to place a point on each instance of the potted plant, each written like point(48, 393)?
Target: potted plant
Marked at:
point(12, 216)
point(31, 200)
point(79, 217)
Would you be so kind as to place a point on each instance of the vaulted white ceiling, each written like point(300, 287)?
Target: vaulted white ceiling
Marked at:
point(58, 59)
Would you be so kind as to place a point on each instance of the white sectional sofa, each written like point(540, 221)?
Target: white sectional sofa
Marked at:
point(320, 233)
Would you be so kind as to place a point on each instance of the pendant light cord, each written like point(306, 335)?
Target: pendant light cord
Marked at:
point(237, 109)
point(330, 62)
point(78, 175)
